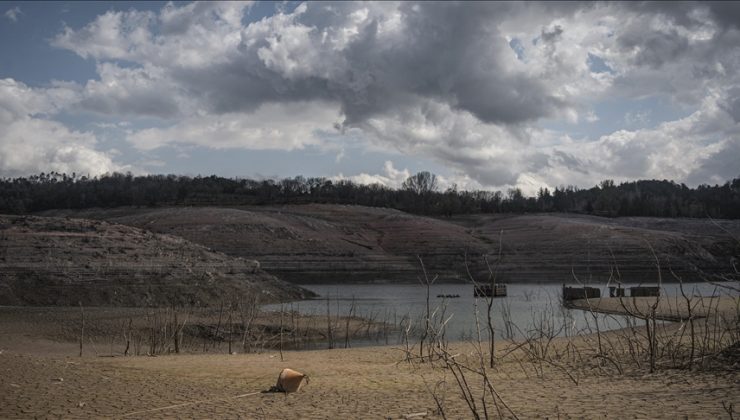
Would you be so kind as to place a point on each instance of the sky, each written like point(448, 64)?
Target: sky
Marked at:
point(485, 95)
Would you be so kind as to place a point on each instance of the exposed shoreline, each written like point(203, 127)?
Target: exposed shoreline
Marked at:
point(667, 308)
point(45, 377)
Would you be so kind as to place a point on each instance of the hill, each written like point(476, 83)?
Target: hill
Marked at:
point(59, 261)
point(328, 243)
point(314, 243)
point(560, 247)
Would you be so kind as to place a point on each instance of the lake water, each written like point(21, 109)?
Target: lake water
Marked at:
point(526, 309)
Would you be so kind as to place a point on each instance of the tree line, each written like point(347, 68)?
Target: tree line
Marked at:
point(420, 194)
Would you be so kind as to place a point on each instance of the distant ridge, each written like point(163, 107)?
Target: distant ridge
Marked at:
point(419, 195)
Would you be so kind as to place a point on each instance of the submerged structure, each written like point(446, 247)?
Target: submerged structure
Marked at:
point(640, 291)
point(486, 290)
point(573, 293)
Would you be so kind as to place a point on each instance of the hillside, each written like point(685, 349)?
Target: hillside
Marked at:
point(57, 261)
point(315, 243)
point(326, 243)
point(550, 247)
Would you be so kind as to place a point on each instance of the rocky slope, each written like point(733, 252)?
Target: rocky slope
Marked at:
point(326, 243)
point(58, 261)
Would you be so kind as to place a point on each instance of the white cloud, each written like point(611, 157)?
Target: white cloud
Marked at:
point(30, 143)
point(391, 177)
point(394, 178)
point(488, 153)
point(675, 150)
point(194, 35)
point(139, 92)
point(18, 100)
point(490, 156)
point(273, 126)
point(286, 46)
point(13, 14)
point(112, 35)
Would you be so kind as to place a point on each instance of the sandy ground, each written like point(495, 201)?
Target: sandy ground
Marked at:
point(42, 378)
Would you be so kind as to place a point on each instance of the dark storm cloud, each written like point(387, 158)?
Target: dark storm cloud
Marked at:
point(726, 13)
point(243, 85)
point(457, 55)
point(444, 51)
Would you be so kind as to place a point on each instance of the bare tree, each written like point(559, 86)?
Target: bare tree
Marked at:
point(329, 333)
point(350, 314)
point(248, 310)
point(428, 314)
point(489, 298)
point(82, 327)
point(421, 183)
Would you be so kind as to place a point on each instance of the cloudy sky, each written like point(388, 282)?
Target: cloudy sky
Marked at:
point(486, 95)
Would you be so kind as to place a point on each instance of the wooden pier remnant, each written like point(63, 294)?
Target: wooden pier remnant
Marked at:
point(485, 290)
point(573, 293)
point(640, 291)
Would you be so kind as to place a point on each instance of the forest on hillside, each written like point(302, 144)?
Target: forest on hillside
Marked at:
point(420, 194)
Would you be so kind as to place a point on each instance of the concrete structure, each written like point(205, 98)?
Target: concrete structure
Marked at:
point(573, 293)
point(640, 291)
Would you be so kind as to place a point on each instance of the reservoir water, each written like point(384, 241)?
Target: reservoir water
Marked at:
point(526, 309)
